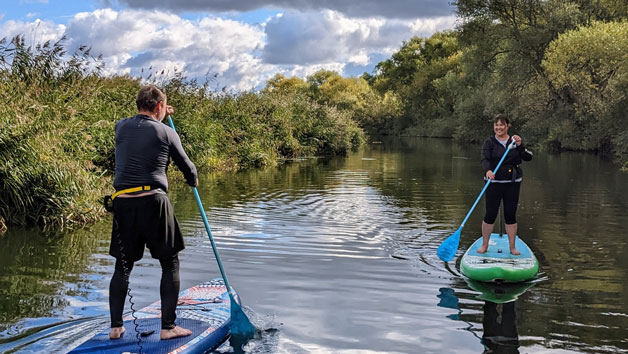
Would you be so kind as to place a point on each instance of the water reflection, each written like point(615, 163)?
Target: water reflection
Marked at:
point(500, 328)
point(499, 319)
point(341, 254)
point(42, 275)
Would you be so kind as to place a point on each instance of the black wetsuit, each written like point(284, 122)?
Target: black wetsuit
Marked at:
point(144, 148)
point(507, 182)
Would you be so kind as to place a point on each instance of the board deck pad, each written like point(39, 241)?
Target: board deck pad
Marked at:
point(204, 309)
point(497, 264)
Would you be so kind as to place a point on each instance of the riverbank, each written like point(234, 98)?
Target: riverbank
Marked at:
point(57, 132)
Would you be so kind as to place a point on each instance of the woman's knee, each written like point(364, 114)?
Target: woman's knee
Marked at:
point(510, 218)
point(490, 217)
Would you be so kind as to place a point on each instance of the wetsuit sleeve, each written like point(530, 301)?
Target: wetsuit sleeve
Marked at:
point(526, 155)
point(487, 149)
point(181, 159)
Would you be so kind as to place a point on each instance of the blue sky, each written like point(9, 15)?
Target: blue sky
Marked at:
point(57, 10)
point(243, 42)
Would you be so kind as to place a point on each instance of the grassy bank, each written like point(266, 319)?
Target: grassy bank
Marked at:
point(57, 138)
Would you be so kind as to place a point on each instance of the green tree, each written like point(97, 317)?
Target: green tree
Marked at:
point(420, 73)
point(590, 65)
point(370, 109)
point(282, 83)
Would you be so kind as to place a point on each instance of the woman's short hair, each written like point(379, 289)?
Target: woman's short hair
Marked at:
point(501, 118)
point(148, 97)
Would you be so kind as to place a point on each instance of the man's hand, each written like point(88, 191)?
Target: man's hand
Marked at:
point(169, 110)
point(490, 175)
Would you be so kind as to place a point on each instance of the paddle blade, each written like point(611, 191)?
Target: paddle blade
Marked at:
point(240, 324)
point(447, 250)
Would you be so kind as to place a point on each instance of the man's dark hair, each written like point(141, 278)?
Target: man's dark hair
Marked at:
point(148, 98)
point(501, 118)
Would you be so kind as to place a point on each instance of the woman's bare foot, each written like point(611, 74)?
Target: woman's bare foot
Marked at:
point(482, 249)
point(174, 333)
point(116, 332)
point(514, 252)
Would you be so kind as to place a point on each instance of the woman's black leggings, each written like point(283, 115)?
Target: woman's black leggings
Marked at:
point(168, 290)
point(495, 193)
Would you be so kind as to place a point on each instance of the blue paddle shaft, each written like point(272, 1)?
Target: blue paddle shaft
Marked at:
point(240, 324)
point(477, 200)
point(211, 239)
point(207, 228)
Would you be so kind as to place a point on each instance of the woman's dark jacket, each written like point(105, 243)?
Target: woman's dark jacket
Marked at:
point(492, 152)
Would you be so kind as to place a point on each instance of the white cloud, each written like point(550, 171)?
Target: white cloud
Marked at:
point(133, 40)
point(243, 56)
point(34, 32)
point(327, 37)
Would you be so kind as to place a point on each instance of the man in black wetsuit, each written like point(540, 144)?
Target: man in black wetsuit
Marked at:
point(143, 215)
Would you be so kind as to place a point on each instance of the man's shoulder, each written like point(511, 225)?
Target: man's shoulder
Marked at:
point(121, 122)
point(124, 120)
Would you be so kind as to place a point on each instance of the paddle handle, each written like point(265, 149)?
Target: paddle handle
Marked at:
point(477, 200)
point(201, 210)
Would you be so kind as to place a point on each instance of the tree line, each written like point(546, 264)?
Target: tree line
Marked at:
point(558, 68)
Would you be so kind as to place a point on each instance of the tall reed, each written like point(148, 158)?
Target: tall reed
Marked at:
point(57, 139)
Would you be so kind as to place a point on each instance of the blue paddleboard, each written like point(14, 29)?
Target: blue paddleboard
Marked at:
point(204, 309)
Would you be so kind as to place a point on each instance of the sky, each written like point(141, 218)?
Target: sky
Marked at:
point(238, 43)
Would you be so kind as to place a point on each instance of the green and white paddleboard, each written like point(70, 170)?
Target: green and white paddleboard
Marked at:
point(497, 264)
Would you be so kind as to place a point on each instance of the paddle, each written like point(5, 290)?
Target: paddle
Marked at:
point(447, 250)
point(240, 324)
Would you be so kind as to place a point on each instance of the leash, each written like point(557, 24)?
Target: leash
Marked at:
point(127, 275)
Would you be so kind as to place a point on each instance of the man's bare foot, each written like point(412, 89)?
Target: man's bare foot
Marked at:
point(116, 332)
point(514, 252)
point(482, 249)
point(174, 333)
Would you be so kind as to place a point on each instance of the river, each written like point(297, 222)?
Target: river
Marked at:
point(338, 255)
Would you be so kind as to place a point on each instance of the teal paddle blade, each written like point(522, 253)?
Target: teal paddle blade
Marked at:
point(240, 323)
point(447, 250)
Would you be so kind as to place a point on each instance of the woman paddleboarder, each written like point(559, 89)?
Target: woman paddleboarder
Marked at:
point(505, 185)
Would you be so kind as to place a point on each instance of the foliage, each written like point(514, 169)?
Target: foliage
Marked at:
point(57, 140)
point(351, 96)
point(591, 66)
point(420, 74)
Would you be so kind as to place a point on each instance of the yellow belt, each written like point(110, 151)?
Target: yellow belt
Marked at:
point(130, 190)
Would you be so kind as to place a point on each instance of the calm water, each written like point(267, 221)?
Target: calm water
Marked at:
point(339, 255)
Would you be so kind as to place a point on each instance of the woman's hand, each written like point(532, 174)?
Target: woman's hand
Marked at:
point(517, 139)
point(490, 175)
